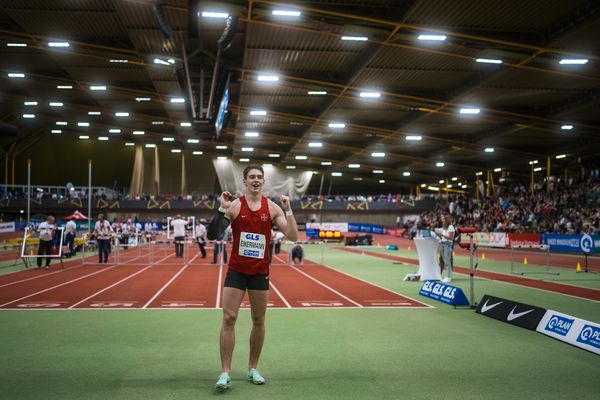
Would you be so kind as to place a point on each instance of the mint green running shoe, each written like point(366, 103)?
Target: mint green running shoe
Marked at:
point(255, 377)
point(223, 383)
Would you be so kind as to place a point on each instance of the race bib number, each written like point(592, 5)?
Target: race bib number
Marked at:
point(252, 245)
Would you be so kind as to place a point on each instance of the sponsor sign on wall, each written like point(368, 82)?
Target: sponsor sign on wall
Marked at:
point(444, 293)
point(498, 239)
point(576, 331)
point(523, 239)
point(482, 239)
point(328, 226)
point(7, 227)
point(572, 243)
point(515, 313)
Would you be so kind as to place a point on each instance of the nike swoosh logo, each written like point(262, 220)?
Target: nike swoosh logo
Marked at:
point(513, 315)
point(486, 307)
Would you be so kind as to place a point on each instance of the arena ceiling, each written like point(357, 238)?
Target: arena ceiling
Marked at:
point(526, 104)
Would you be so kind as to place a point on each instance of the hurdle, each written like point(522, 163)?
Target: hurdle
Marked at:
point(30, 240)
point(541, 247)
point(471, 246)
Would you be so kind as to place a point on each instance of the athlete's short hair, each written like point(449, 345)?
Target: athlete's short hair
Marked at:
point(253, 166)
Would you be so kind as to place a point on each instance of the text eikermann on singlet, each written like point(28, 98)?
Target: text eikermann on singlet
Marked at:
point(256, 245)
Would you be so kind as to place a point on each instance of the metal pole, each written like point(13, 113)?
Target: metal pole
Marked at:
point(472, 272)
point(28, 188)
point(89, 197)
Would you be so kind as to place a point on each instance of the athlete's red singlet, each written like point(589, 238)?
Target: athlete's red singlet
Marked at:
point(251, 239)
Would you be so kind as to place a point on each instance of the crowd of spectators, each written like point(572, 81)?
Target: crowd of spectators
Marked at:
point(568, 207)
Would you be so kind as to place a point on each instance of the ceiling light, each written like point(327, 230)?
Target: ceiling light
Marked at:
point(258, 112)
point(62, 123)
point(140, 99)
point(58, 44)
point(55, 104)
point(423, 185)
point(406, 173)
point(497, 169)
point(94, 113)
point(326, 162)
point(64, 87)
point(150, 145)
point(558, 157)
point(16, 75)
point(286, 13)
point(16, 44)
point(83, 124)
point(469, 110)
point(193, 141)
point(129, 144)
point(301, 157)
point(171, 61)
point(479, 173)
point(377, 154)
point(197, 153)
point(168, 139)
point(221, 147)
point(533, 162)
point(114, 130)
point(566, 127)
point(378, 171)
point(439, 164)
point(177, 100)
point(138, 132)
point(441, 181)
point(488, 60)
point(573, 61)
point(315, 144)
point(251, 134)
point(98, 87)
point(336, 174)
point(244, 160)
point(84, 137)
point(355, 38)
point(414, 137)
point(382, 181)
point(373, 95)
point(290, 167)
point(29, 116)
point(431, 37)
point(454, 179)
point(316, 93)
point(268, 78)
point(118, 60)
point(161, 62)
point(353, 165)
point(433, 188)
point(31, 103)
point(103, 138)
point(449, 186)
point(538, 169)
point(221, 158)
point(357, 179)
point(55, 131)
point(214, 14)
point(248, 149)
point(489, 150)
point(185, 124)
point(158, 122)
point(175, 150)
point(122, 114)
point(337, 125)
point(274, 155)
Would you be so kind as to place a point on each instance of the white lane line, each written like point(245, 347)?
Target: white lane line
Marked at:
point(115, 284)
point(327, 287)
point(169, 282)
point(288, 305)
point(57, 286)
point(40, 276)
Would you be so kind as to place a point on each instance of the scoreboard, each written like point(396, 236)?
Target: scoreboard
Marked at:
point(330, 235)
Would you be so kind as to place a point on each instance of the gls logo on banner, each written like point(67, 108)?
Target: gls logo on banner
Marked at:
point(590, 335)
point(559, 325)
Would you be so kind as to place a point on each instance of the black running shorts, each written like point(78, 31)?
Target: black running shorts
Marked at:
point(241, 281)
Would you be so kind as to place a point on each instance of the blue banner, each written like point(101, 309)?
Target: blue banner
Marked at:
point(572, 243)
point(444, 293)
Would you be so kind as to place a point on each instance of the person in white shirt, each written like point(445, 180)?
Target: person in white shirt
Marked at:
point(446, 235)
point(46, 230)
point(103, 232)
point(70, 233)
point(200, 234)
point(127, 229)
point(220, 244)
point(179, 225)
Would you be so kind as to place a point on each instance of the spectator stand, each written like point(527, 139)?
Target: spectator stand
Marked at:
point(530, 249)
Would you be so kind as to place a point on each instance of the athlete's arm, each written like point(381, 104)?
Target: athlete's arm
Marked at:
point(284, 219)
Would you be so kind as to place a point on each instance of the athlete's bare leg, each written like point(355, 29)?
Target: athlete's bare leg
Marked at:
point(258, 307)
point(232, 298)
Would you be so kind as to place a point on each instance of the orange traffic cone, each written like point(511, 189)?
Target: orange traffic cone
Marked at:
point(578, 267)
point(483, 256)
point(525, 261)
point(409, 249)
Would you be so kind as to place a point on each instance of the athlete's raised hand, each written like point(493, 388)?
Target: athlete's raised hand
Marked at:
point(285, 203)
point(225, 199)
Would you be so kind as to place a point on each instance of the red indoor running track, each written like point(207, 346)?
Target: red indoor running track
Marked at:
point(192, 284)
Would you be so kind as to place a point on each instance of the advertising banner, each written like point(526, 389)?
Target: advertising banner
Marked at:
point(482, 239)
point(7, 227)
point(498, 239)
point(572, 243)
point(444, 293)
point(515, 313)
point(572, 330)
point(523, 239)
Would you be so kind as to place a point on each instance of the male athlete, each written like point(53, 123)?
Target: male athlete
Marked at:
point(251, 217)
